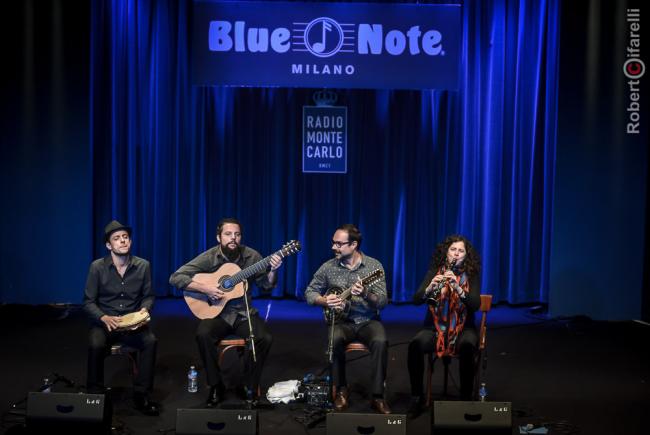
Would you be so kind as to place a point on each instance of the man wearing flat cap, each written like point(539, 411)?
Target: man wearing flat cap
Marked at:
point(119, 284)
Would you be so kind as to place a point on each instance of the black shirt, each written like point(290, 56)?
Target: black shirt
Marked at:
point(109, 293)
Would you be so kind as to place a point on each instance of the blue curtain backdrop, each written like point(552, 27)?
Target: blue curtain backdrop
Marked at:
point(171, 158)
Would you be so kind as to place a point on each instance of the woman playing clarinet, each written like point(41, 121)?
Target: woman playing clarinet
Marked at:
point(451, 289)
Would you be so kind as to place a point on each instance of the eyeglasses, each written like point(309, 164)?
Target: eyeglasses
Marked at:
point(339, 244)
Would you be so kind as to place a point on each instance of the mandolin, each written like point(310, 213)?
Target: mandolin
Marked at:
point(338, 314)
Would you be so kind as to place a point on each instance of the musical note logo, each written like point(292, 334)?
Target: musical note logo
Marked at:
point(323, 37)
point(319, 47)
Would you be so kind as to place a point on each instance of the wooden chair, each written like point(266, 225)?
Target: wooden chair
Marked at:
point(486, 305)
point(233, 343)
point(356, 346)
point(353, 346)
point(230, 343)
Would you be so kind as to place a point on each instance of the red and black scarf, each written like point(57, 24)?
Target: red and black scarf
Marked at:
point(449, 315)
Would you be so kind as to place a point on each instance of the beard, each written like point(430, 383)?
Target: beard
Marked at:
point(231, 253)
point(342, 257)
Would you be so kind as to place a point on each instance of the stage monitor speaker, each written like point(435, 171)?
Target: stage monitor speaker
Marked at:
point(216, 421)
point(455, 418)
point(366, 424)
point(69, 413)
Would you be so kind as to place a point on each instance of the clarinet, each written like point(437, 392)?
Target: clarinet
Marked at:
point(435, 295)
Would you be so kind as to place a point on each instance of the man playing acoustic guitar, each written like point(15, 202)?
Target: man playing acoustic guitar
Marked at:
point(348, 269)
point(231, 317)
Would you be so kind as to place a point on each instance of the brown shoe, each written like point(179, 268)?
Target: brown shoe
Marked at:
point(341, 399)
point(380, 406)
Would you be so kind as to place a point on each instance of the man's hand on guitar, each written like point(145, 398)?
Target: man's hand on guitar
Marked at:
point(358, 289)
point(333, 301)
point(275, 262)
point(214, 292)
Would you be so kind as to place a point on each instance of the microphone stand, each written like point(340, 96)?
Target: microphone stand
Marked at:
point(330, 356)
point(251, 336)
point(250, 395)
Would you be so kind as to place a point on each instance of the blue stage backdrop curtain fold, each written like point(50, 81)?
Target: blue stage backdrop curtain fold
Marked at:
point(171, 158)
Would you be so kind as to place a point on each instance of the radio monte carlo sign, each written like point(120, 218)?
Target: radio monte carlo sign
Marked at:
point(342, 45)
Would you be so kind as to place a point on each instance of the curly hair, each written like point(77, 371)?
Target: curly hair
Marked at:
point(472, 263)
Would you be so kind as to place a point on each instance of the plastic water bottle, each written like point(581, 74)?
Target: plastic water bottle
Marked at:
point(192, 380)
point(47, 387)
point(482, 392)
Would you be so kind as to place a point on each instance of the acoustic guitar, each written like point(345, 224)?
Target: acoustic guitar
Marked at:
point(231, 279)
point(338, 314)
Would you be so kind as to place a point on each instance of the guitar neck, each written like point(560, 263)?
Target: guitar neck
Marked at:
point(345, 293)
point(253, 269)
point(348, 291)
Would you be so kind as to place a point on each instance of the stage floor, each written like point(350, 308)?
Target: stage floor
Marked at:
point(577, 375)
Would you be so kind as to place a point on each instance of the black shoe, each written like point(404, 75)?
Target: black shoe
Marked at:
point(248, 396)
point(341, 399)
point(245, 393)
point(380, 405)
point(415, 407)
point(146, 406)
point(215, 396)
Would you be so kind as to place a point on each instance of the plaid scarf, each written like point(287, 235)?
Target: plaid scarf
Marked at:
point(449, 315)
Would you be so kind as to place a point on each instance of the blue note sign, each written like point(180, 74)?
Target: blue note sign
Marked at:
point(324, 139)
point(321, 44)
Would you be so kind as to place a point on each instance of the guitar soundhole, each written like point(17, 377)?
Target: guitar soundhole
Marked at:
point(225, 283)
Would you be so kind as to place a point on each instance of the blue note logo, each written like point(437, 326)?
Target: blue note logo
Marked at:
point(324, 37)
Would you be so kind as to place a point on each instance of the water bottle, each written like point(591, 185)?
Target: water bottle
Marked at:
point(482, 392)
point(192, 380)
point(47, 387)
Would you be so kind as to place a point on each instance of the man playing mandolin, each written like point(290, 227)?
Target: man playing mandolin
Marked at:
point(231, 318)
point(347, 271)
point(120, 284)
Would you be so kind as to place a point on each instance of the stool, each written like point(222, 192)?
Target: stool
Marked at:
point(230, 343)
point(129, 352)
point(356, 346)
point(233, 343)
point(353, 346)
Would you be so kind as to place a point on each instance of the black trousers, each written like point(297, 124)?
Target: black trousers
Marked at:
point(211, 331)
point(424, 342)
point(99, 347)
point(373, 335)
